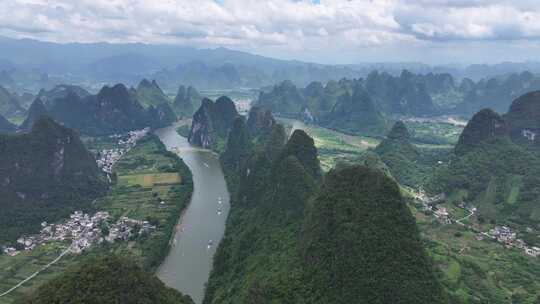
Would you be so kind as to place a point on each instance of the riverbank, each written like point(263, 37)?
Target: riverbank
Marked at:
point(145, 178)
point(189, 260)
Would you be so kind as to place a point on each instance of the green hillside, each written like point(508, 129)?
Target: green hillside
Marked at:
point(106, 279)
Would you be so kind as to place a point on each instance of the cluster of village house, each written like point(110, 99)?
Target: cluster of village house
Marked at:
point(84, 230)
point(501, 234)
point(529, 134)
point(508, 238)
point(106, 159)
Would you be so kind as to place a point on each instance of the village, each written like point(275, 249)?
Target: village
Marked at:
point(106, 158)
point(84, 231)
point(501, 234)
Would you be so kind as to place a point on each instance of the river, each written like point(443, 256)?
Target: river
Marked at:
point(202, 225)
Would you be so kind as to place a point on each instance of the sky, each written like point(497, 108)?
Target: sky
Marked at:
point(325, 31)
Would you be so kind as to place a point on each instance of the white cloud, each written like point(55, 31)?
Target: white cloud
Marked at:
point(273, 24)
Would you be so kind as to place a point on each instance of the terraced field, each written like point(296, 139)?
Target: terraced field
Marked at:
point(153, 185)
point(149, 180)
point(479, 271)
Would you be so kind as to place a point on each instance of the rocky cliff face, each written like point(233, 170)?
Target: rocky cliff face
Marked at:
point(483, 125)
point(260, 121)
point(212, 122)
point(202, 128)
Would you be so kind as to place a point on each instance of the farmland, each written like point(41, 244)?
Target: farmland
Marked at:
point(152, 184)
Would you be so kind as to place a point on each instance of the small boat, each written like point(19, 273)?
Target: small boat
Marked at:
point(219, 211)
point(206, 165)
point(210, 243)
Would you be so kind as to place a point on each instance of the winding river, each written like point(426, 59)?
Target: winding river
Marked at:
point(202, 225)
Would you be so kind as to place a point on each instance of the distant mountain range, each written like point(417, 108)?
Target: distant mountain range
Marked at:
point(30, 65)
point(113, 110)
point(362, 105)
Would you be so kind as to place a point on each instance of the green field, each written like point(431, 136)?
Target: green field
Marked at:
point(478, 271)
point(434, 133)
point(144, 181)
point(472, 271)
point(149, 180)
point(333, 146)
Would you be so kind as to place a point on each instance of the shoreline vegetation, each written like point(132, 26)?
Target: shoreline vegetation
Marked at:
point(126, 197)
point(470, 270)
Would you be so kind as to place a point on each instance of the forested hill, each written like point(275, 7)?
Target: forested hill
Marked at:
point(496, 164)
point(148, 93)
point(405, 95)
point(187, 100)
point(114, 109)
point(288, 224)
point(45, 174)
point(105, 279)
point(401, 157)
point(349, 243)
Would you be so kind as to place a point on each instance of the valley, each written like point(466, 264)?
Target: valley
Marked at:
point(269, 152)
point(471, 268)
point(200, 228)
point(155, 195)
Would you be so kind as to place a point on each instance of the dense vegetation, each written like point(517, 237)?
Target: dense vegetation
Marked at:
point(106, 279)
point(405, 95)
point(524, 117)
point(360, 243)
point(45, 174)
point(132, 197)
point(494, 166)
point(112, 110)
point(145, 176)
point(402, 157)
point(187, 100)
point(270, 252)
point(499, 177)
point(356, 113)
point(150, 94)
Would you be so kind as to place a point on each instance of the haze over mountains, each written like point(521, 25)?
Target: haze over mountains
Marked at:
point(238, 178)
point(26, 64)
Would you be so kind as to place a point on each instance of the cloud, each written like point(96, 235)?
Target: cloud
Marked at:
point(284, 25)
